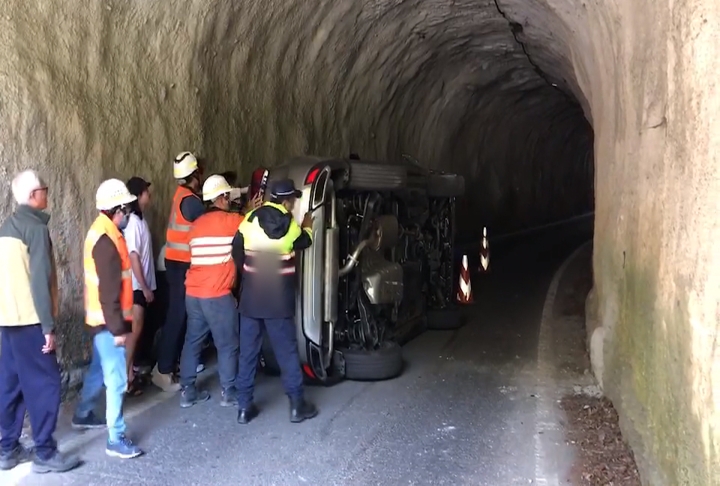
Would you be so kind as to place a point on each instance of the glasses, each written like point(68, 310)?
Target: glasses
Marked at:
point(125, 209)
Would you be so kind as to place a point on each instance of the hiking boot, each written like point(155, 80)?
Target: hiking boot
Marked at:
point(57, 463)
point(123, 448)
point(246, 414)
point(300, 410)
point(89, 422)
point(228, 397)
point(166, 382)
point(10, 459)
point(190, 396)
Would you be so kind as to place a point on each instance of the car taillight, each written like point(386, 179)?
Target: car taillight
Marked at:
point(312, 175)
point(308, 371)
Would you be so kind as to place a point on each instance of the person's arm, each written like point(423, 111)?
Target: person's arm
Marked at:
point(303, 241)
point(191, 208)
point(238, 255)
point(41, 274)
point(109, 272)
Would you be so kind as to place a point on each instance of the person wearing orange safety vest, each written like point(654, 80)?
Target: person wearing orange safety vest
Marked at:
point(211, 295)
point(108, 316)
point(186, 208)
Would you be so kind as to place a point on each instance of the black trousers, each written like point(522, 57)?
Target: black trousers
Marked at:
point(172, 335)
point(29, 380)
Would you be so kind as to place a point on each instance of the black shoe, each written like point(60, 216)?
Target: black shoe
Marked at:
point(9, 460)
point(245, 415)
point(89, 422)
point(300, 410)
point(228, 397)
point(57, 463)
point(190, 396)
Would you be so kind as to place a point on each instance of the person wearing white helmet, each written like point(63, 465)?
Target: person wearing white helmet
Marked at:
point(108, 316)
point(211, 295)
point(186, 208)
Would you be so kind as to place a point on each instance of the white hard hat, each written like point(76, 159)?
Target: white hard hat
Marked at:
point(214, 186)
point(184, 164)
point(111, 194)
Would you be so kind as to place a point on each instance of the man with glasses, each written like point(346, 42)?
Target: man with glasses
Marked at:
point(108, 316)
point(29, 371)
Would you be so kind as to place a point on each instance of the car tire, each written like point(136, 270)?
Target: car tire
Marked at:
point(447, 319)
point(381, 364)
point(446, 185)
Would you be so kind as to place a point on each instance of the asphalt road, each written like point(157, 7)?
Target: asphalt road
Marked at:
point(463, 412)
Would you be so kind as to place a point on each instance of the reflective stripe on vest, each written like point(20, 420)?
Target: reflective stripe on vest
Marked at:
point(264, 254)
point(210, 250)
point(178, 229)
point(94, 315)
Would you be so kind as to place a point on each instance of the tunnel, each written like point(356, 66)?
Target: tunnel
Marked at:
point(549, 108)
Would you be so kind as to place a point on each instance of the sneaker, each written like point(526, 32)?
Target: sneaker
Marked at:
point(300, 410)
point(200, 368)
point(166, 382)
point(190, 396)
point(10, 459)
point(57, 463)
point(123, 448)
point(142, 370)
point(228, 397)
point(89, 422)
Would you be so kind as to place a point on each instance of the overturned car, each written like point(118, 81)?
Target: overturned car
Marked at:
point(380, 270)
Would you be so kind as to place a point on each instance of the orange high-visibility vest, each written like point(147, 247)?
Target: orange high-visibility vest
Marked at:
point(212, 270)
point(93, 311)
point(177, 237)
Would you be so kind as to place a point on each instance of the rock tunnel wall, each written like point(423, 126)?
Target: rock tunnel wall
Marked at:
point(93, 89)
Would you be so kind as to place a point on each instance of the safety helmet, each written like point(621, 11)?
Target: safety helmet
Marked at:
point(111, 194)
point(184, 164)
point(214, 186)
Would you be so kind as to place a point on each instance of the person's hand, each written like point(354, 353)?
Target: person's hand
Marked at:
point(307, 221)
point(149, 295)
point(255, 202)
point(120, 340)
point(49, 346)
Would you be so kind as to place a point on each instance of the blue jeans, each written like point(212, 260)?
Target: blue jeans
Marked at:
point(284, 342)
point(217, 316)
point(107, 367)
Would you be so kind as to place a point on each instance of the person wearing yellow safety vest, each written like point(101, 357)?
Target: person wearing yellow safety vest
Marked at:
point(186, 208)
point(108, 316)
point(264, 252)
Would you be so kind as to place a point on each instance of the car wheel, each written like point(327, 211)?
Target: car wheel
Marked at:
point(380, 364)
point(447, 319)
point(446, 185)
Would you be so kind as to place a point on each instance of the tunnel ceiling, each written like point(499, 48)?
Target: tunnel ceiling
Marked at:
point(474, 86)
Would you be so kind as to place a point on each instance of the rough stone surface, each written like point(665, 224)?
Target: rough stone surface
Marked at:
point(92, 89)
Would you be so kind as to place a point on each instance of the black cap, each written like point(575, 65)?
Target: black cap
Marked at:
point(137, 185)
point(284, 189)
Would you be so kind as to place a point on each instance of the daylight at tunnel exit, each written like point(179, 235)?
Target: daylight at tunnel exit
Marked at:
point(462, 242)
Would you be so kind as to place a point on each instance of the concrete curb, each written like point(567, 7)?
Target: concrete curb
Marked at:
point(548, 431)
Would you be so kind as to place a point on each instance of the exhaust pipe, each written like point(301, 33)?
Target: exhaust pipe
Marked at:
point(353, 258)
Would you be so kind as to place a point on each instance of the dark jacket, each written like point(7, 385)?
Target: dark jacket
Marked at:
point(28, 293)
point(268, 295)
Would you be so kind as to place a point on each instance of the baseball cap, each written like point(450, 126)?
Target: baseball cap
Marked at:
point(137, 185)
point(283, 189)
